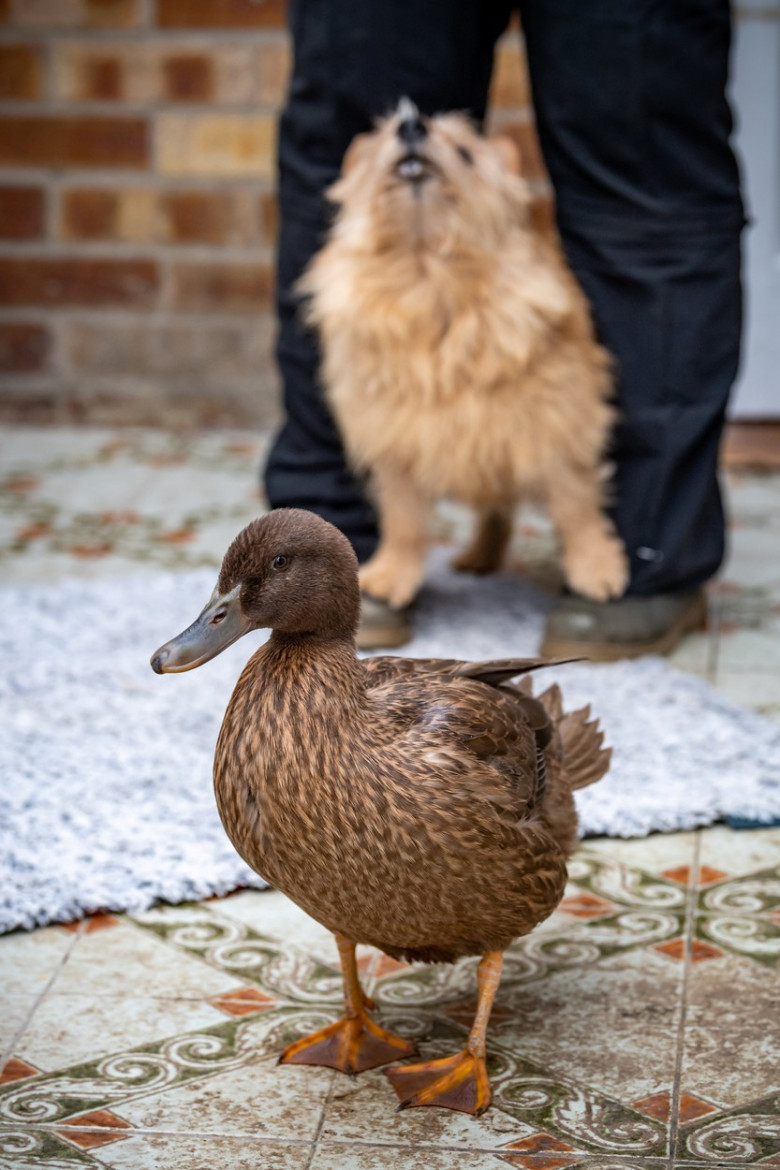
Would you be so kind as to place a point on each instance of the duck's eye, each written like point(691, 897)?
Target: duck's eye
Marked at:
point(466, 155)
point(280, 562)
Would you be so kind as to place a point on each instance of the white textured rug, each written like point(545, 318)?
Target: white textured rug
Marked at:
point(105, 768)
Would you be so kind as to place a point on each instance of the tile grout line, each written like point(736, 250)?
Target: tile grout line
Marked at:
point(321, 1123)
point(674, 1116)
point(8, 1052)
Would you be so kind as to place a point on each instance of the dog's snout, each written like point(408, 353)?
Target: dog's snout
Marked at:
point(412, 130)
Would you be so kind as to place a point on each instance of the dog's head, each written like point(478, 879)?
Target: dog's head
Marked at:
point(429, 182)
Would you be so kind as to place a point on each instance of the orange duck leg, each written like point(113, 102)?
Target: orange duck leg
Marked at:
point(460, 1081)
point(354, 1043)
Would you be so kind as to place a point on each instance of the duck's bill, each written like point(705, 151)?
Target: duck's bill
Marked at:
point(218, 626)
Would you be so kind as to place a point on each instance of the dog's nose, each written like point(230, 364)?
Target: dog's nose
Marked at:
point(412, 130)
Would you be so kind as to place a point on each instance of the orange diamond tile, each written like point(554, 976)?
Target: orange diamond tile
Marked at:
point(92, 923)
point(702, 950)
point(16, 1070)
point(659, 1106)
point(540, 1150)
point(684, 875)
point(243, 1001)
point(707, 875)
point(692, 1107)
point(675, 949)
point(586, 905)
point(87, 1138)
point(388, 966)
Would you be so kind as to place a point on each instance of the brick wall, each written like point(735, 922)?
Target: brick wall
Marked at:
point(137, 213)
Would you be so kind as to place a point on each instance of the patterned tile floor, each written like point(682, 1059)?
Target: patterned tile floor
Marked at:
point(637, 1028)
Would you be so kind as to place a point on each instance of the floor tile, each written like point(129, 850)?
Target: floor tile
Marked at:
point(186, 1152)
point(15, 1011)
point(128, 960)
point(153, 1041)
point(29, 960)
point(738, 853)
point(339, 1157)
point(259, 1099)
point(270, 913)
point(69, 1029)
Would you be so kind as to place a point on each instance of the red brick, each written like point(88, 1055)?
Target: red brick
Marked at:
point(110, 13)
point(89, 214)
point(49, 14)
point(21, 75)
point(221, 287)
point(102, 79)
point(88, 142)
point(221, 13)
point(269, 215)
point(24, 347)
point(206, 217)
point(21, 213)
point(188, 78)
point(32, 281)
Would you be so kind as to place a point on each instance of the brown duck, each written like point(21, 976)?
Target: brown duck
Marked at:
point(421, 806)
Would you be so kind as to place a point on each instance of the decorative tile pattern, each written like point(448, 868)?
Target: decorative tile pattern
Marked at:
point(634, 1030)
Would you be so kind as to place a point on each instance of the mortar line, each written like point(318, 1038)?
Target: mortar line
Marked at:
point(674, 1114)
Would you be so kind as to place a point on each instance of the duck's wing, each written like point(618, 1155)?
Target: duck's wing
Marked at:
point(494, 672)
point(492, 735)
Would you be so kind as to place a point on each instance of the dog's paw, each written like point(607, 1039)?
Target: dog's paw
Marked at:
point(597, 567)
point(394, 580)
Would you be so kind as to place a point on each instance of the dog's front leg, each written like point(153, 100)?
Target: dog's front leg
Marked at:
point(594, 559)
point(395, 571)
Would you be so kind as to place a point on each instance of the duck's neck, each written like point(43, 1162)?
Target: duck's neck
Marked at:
point(315, 675)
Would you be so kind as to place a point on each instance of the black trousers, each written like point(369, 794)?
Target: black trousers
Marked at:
point(634, 126)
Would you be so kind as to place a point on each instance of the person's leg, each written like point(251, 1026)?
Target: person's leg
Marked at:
point(634, 125)
point(353, 61)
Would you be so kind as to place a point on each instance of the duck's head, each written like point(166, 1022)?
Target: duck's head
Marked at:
point(289, 571)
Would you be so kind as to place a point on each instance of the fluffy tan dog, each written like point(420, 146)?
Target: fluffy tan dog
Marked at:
point(458, 354)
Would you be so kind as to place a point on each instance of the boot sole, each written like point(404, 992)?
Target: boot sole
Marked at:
point(694, 617)
point(383, 637)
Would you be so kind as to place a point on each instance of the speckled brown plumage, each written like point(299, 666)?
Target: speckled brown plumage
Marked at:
point(422, 806)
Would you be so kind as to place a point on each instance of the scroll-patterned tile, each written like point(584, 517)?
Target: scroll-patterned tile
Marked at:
point(364, 1109)
point(609, 1026)
point(731, 1059)
point(331, 1156)
point(137, 962)
point(257, 1099)
point(270, 913)
point(739, 853)
point(70, 1028)
point(188, 1152)
point(227, 945)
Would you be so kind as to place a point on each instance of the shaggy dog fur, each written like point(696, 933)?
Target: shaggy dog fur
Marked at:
point(458, 354)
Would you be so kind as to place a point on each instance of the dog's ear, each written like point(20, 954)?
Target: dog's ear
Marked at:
point(355, 151)
point(508, 153)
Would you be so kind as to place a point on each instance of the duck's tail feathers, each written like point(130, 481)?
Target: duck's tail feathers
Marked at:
point(585, 758)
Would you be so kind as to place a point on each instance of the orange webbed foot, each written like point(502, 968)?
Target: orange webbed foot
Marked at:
point(453, 1082)
point(351, 1045)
